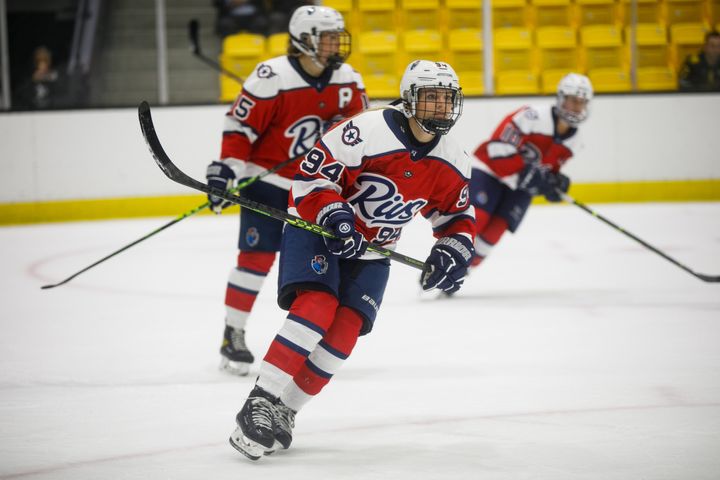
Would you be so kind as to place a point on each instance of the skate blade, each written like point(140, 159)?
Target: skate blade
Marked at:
point(252, 450)
point(239, 369)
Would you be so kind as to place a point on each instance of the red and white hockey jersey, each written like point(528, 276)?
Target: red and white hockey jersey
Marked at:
point(280, 114)
point(527, 135)
point(373, 163)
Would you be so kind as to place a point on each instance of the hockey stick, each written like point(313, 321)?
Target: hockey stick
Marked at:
point(177, 175)
point(701, 276)
point(183, 216)
point(193, 31)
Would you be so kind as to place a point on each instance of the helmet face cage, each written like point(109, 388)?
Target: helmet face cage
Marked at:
point(429, 76)
point(312, 28)
point(574, 85)
point(425, 111)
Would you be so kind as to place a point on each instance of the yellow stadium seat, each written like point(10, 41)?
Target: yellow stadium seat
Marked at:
point(543, 3)
point(550, 78)
point(472, 82)
point(512, 38)
point(378, 55)
point(648, 11)
point(377, 42)
point(650, 34)
point(555, 37)
point(652, 45)
point(506, 15)
point(382, 85)
point(376, 15)
point(278, 44)
point(466, 55)
point(610, 80)
point(552, 13)
point(597, 12)
point(687, 34)
point(556, 49)
point(464, 14)
point(420, 4)
point(422, 41)
point(420, 14)
point(685, 11)
point(517, 83)
point(602, 47)
point(508, 3)
point(656, 79)
point(715, 14)
point(244, 45)
point(240, 54)
point(422, 44)
point(513, 49)
point(342, 6)
point(600, 36)
point(465, 39)
point(653, 56)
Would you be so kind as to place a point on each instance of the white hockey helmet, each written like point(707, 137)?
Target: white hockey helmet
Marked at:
point(308, 23)
point(422, 74)
point(574, 85)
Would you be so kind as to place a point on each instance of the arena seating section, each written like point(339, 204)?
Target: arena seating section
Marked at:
point(535, 42)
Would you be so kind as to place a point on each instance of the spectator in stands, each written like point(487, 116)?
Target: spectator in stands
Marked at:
point(701, 71)
point(235, 16)
point(45, 88)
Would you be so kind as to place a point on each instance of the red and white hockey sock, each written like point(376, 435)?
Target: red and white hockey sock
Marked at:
point(488, 237)
point(308, 320)
point(244, 284)
point(325, 360)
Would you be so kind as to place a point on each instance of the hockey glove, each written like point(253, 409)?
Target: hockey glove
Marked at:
point(219, 175)
point(447, 264)
point(339, 218)
point(534, 179)
point(557, 185)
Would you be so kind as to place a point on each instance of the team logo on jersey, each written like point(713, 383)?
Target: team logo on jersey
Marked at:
point(531, 114)
point(252, 236)
point(265, 71)
point(379, 202)
point(351, 134)
point(319, 264)
point(463, 198)
point(305, 132)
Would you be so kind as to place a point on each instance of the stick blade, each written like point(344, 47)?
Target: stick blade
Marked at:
point(708, 278)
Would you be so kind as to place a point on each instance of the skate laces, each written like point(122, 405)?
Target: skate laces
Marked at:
point(262, 412)
point(237, 339)
point(285, 417)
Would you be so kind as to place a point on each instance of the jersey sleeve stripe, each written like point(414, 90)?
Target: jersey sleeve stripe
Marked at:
point(498, 150)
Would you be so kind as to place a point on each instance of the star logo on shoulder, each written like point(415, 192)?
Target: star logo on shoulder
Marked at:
point(351, 134)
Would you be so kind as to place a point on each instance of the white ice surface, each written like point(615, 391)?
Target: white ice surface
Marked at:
point(573, 353)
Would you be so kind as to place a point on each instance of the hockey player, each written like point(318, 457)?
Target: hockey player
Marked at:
point(285, 105)
point(523, 159)
point(364, 181)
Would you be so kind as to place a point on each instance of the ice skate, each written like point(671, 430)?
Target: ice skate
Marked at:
point(284, 423)
point(235, 356)
point(254, 435)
